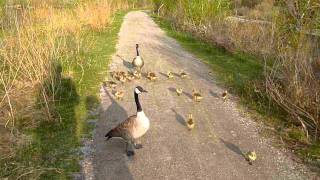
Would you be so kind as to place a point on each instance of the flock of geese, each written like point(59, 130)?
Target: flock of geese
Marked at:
point(137, 125)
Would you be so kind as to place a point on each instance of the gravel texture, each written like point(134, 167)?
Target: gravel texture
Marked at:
point(212, 150)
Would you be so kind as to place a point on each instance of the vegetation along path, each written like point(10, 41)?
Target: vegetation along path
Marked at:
point(212, 150)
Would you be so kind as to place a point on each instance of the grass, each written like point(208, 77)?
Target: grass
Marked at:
point(239, 72)
point(54, 151)
point(243, 75)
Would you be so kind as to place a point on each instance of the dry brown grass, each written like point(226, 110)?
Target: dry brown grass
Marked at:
point(36, 37)
point(95, 15)
point(293, 80)
point(293, 83)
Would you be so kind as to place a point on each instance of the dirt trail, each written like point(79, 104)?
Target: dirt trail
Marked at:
point(211, 151)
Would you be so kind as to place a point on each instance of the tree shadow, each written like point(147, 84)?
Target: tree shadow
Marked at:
point(232, 147)
point(179, 118)
point(110, 161)
point(115, 113)
point(92, 102)
point(56, 138)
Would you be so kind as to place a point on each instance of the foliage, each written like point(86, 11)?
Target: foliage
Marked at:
point(49, 63)
point(284, 36)
point(197, 11)
point(288, 44)
point(292, 82)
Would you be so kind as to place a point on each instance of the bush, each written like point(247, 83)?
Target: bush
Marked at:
point(288, 42)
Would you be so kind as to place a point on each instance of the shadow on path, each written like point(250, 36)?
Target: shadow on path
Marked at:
point(187, 94)
point(232, 147)
point(214, 94)
point(111, 160)
point(125, 62)
point(179, 118)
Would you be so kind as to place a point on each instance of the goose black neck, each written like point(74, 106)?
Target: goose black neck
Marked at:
point(136, 98)
point(137, 49)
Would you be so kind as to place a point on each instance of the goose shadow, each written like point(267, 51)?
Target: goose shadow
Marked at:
point(179, 118)
point(163, 74)
point(171, 89)
point(187, 94)
point(115, 113)
point(234, 148)
point(176, 74)
point(214, 94)
point(126, 63)
point(110, 160)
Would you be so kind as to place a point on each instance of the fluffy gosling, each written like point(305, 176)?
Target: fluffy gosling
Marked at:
point(137, 74)
point(110, 84)
point(179, 91)
point(196, 96)
point(152, 76)
point(225, 95)
point(170, 75)
point(119, 94)
point(190, 122)
point(183, 75)
point(130, 77)
point(251, 156)
point(122, 78)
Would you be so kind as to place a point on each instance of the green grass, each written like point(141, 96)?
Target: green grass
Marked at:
point(242, 74)
point(54, 152)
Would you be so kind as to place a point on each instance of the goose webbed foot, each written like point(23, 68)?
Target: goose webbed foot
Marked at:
point(138, 146)
point(130, 153)
point(130, 149)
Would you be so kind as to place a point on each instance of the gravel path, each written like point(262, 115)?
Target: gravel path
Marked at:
point(211, 151)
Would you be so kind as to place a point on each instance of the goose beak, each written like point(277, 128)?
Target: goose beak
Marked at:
point(145, 91)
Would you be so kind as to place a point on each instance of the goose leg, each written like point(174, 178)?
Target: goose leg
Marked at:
point(130, 143)
point(138, 145)
point(130, 149)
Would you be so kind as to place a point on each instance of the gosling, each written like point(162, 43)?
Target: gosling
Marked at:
point(197, 97)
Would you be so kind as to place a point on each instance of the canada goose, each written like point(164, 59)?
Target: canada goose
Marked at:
point(183, 74)
point(138, 61)
point(190, 122)
point(196, 96)
point(170, 75)
point(133, 127)
point(119, 94)
point(152, 76)
point(179, 91)
point(110, 84)
point(251, 156)
point(137, 74)
point(225, 95)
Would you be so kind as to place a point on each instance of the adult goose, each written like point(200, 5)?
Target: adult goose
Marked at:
point(133, 127)
point(138, 61)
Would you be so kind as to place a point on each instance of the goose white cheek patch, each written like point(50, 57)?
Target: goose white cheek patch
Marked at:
point(137, 91)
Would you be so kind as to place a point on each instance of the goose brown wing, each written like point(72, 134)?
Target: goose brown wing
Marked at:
point(127, 124)
point(124, 126)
